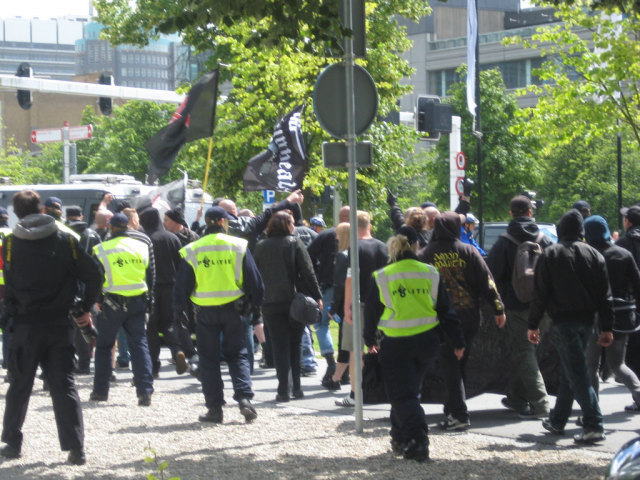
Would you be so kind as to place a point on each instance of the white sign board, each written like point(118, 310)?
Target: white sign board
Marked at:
point(83, 132)
point(46, 135)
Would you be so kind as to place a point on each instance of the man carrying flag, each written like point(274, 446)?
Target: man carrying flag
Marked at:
point(194, 119)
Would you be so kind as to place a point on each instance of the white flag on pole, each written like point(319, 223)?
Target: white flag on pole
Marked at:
point(472, 35)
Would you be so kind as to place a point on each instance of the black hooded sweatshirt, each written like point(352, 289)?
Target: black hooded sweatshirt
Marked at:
point(464, 273)
point(502, 255)
point(571, 279)
point(166, 246)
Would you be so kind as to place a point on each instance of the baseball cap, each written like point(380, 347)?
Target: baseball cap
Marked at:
point(73, 211)
point(176, 215)
point(317, 221)
point(583, 207)
point(53, 202)
point(428, 204)
point(520, 205)
point(632, 214)
point(119, 220)
point(3, 212)
point(216, 213)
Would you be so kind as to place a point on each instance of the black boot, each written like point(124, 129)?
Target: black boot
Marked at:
point(331, 368)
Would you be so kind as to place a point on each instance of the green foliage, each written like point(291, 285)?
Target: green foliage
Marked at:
point(591, 77)
point(624, 6)
point(24, 169)
point(510, 161)
point(160, 467)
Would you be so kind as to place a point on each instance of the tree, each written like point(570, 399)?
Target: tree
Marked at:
point(23, 168)
point(591, 76)
point(269, 80)
point(510, 161)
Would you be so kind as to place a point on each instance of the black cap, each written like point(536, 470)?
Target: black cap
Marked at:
point(408, 232)
point(73, 211)
point(177, 216)
point(583, 207)
point(520, 205)
point(216, 213)
point(428, 204)
point(632, 214)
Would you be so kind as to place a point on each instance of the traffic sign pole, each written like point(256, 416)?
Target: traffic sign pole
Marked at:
point(65, 155)
point(455, 155)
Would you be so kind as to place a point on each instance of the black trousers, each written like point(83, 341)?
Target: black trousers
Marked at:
point(52, 347)
point(161, 320)
point(286, 337)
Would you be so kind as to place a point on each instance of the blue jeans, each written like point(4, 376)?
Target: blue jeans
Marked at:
point(133, 322)
point(570, 340)
point(308, 361)
point(322, 327)
point(211, 323)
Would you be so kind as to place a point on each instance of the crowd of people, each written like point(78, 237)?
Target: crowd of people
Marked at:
point(70, 292)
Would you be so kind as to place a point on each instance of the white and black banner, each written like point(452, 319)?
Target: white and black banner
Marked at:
point(282, 166)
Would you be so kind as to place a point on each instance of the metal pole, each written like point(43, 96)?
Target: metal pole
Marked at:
point(65, 153)
point(619, 162)
point(478, 124)
point(353, 217)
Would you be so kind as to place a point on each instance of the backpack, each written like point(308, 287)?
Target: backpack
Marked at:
point(524, 265)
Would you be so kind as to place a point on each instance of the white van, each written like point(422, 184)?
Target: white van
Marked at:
point(87, 190)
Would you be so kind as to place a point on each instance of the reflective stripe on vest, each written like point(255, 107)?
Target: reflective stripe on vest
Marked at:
point(125, 262)
point(4, 232)
point(408, 290)
point(217, 261)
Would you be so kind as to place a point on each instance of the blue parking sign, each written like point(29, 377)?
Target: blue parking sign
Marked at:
point(269, 196)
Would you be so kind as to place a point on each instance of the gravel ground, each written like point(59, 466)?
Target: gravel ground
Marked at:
point(285, 442)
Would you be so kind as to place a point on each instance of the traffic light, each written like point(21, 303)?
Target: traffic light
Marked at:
point(25, 99)
point(432, 117)
point(106, 103)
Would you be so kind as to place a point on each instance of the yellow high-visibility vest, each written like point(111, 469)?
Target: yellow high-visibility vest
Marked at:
point(217, 261)
point(408, 290)
point(125, 262)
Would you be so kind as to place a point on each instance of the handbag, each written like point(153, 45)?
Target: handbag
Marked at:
point(625, 319)
point(303, 309)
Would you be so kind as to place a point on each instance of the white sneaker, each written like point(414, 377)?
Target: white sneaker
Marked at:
point(346, 402)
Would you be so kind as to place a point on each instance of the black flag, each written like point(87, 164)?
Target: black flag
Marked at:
point(193, 119)
point(280, 167)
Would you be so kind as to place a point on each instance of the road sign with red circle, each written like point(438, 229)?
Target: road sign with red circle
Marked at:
point(460, 186)
point(461, 161)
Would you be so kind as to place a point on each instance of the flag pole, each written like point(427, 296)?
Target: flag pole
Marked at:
point(206, 170)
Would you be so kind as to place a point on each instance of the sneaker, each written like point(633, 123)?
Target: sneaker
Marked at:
point(453, 424)
point(331, 385)
point(589, 437)
point(530, 413)
point(416, 450)
point(213, 415)
point(547, 425)
point(633, 408)
point(181, 363)
point(247, 410)
point(509, 405)
point(98, 397)
point(346, 402)
point(144, 400)
point(9, 451)
point(77, 456)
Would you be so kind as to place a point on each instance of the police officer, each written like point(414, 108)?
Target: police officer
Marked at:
point(217, 272)
point(42, 268)
point(127, 279)
point(53, 208)
point(407, 305)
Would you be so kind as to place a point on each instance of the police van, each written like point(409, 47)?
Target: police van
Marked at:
point(87, 190)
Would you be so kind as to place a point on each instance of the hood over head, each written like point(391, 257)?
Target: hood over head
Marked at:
point(150, 219)
point(35, 227)
point(447, 226)
point(571, 226)
point(596, 230)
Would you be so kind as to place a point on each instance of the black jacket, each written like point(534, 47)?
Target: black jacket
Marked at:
point(41, 280)
point(631, 241)
point(502, 255)
point(322, 251)
point(339, 277)
point(283, 262)
point(89, 238)
point(463, 270)
point(397, 219)
point(571, 279)
point(165, 246)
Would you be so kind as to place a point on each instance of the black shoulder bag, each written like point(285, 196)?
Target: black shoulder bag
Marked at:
point(303, 309)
